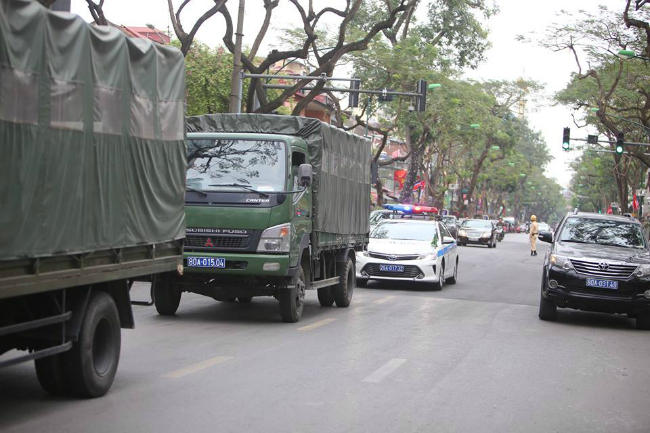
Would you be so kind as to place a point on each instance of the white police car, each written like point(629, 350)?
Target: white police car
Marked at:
point(409, 250)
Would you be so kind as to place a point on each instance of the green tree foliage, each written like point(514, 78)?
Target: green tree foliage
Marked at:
point(208, 72)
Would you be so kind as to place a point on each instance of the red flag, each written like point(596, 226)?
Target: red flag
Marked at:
point(635, 202)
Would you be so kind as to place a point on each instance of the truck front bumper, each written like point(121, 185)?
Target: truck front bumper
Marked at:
point(272, 265)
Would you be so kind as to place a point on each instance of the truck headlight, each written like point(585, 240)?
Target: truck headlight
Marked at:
point(275, 239)
point(561, 262)
point(642, 271)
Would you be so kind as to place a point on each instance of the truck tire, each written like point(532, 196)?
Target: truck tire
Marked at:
point(344, 290)
point(325, 297)
point(92, 361)
point(50, 372)
point(293, 300)
point(165, 296)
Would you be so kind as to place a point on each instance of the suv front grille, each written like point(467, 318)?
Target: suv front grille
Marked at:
point(217, 241)
point(593, 269)
point(410, 271)
point(393, 256)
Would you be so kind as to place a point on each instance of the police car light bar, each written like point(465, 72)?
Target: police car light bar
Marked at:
point(408, 209)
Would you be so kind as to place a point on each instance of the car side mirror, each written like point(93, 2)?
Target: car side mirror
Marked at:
point(448, 240)
point(305, 174)
point(546, 237)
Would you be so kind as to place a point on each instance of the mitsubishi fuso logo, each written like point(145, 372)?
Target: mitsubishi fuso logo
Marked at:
point(603, 266)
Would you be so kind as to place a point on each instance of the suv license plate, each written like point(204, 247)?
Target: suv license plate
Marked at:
point(602, 284)
point(206, 262)
point(391, 268)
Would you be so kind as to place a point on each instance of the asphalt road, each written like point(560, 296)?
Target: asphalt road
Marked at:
point(472, 358)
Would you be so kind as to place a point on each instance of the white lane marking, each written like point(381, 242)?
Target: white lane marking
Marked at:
point(382, 372)
point(316, 324)
point(196, 367)
point(386, 299)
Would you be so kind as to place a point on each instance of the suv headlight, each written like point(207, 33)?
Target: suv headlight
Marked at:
point(642, 271)
point(275, 239)
point(427, 256)
point(561, 262)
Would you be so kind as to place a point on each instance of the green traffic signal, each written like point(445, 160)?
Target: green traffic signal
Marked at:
point(619, 149)
point(566, 139)
point(620, 140)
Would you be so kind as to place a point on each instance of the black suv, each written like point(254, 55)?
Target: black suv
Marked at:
point(597, 263)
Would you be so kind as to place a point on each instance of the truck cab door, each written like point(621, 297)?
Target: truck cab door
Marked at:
point(301, 219)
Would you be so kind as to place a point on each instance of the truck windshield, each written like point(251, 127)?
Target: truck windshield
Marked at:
point(225, 164)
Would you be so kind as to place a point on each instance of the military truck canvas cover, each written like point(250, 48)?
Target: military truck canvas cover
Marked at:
point(92, 149)
point(341, 163)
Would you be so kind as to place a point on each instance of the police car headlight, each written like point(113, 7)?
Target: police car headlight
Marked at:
point(561, 262)
point(427, 256)
point(275, 239)
point(642, 271)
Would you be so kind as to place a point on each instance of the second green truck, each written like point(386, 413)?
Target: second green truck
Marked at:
point(275, 205)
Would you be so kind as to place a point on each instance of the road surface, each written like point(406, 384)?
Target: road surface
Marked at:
point(471, 358)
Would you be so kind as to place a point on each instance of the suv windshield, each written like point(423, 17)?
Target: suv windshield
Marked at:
point(602, 232)
point(477, 224)
point(220, 164)
point(405, 231)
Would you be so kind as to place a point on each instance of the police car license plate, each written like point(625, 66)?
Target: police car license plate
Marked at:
point(391, 268)
point(206, 262)
point(602, 284)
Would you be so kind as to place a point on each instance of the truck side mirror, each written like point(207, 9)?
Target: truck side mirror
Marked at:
point(305, 174)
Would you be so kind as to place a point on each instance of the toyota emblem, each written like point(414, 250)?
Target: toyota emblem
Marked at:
point(603, 266)
point(392, 257)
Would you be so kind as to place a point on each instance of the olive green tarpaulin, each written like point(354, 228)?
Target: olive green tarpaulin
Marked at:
point(92, 149)
point(341, 163)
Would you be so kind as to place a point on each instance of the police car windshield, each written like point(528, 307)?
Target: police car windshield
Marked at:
point(602, 232)
point(405, 231)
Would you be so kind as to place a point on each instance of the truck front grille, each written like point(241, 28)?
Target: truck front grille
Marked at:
point(216, 242)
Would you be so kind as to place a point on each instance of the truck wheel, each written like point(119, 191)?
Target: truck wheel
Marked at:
point(165, 296)
point(292, 301)
point(325, 297)
point(643, 322)
point(344, 290)
point(92, 361)
point(50, 372)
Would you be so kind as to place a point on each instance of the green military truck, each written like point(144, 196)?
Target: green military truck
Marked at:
point(92, 168)
point(275, 205)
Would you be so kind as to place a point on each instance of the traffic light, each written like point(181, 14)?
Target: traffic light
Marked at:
point(353, 97)
point(620, 140)
point(422, 100)
point(566, 138)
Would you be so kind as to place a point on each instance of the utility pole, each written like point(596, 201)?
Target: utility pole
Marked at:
point(236, 81)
